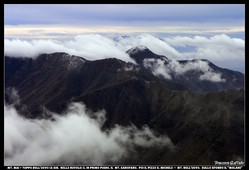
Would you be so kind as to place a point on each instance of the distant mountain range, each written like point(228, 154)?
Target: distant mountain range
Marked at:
point(197, 104)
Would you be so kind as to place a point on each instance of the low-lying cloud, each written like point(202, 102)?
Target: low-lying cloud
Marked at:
point(12, 95)
point(221, 49)
point(75, 138)
point(159, 67)
point(89, 46)
point(216, 47)
point(156, 45)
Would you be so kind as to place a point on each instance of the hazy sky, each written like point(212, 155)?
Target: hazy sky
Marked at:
point(56, 20)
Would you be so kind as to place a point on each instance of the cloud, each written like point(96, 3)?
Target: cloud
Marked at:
point(21, 48)
point(221, 49)
point(13, 96)
point(153, 43)
point(95, 45)
point(216, 47)
point(166, 68)
point(90, 46)
point(211, 76)
point(75, 138)
point(157, 67)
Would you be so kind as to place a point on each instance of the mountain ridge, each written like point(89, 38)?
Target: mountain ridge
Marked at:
point(131, 94)
point(197, 74)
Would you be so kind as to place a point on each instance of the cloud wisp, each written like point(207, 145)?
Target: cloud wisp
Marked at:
point(75, 138)
point(160, 68)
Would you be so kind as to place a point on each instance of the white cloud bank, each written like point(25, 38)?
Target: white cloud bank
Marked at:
point(89, 46)
point(71, 139)
point(218, 47)
point(221, 49)
point(159, 67)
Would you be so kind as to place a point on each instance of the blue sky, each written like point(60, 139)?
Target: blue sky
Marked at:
point(164, 21)
point(173, 18)
point(121, 14)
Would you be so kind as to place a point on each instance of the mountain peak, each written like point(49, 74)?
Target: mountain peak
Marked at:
point(139, 53)
point(140, 48)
